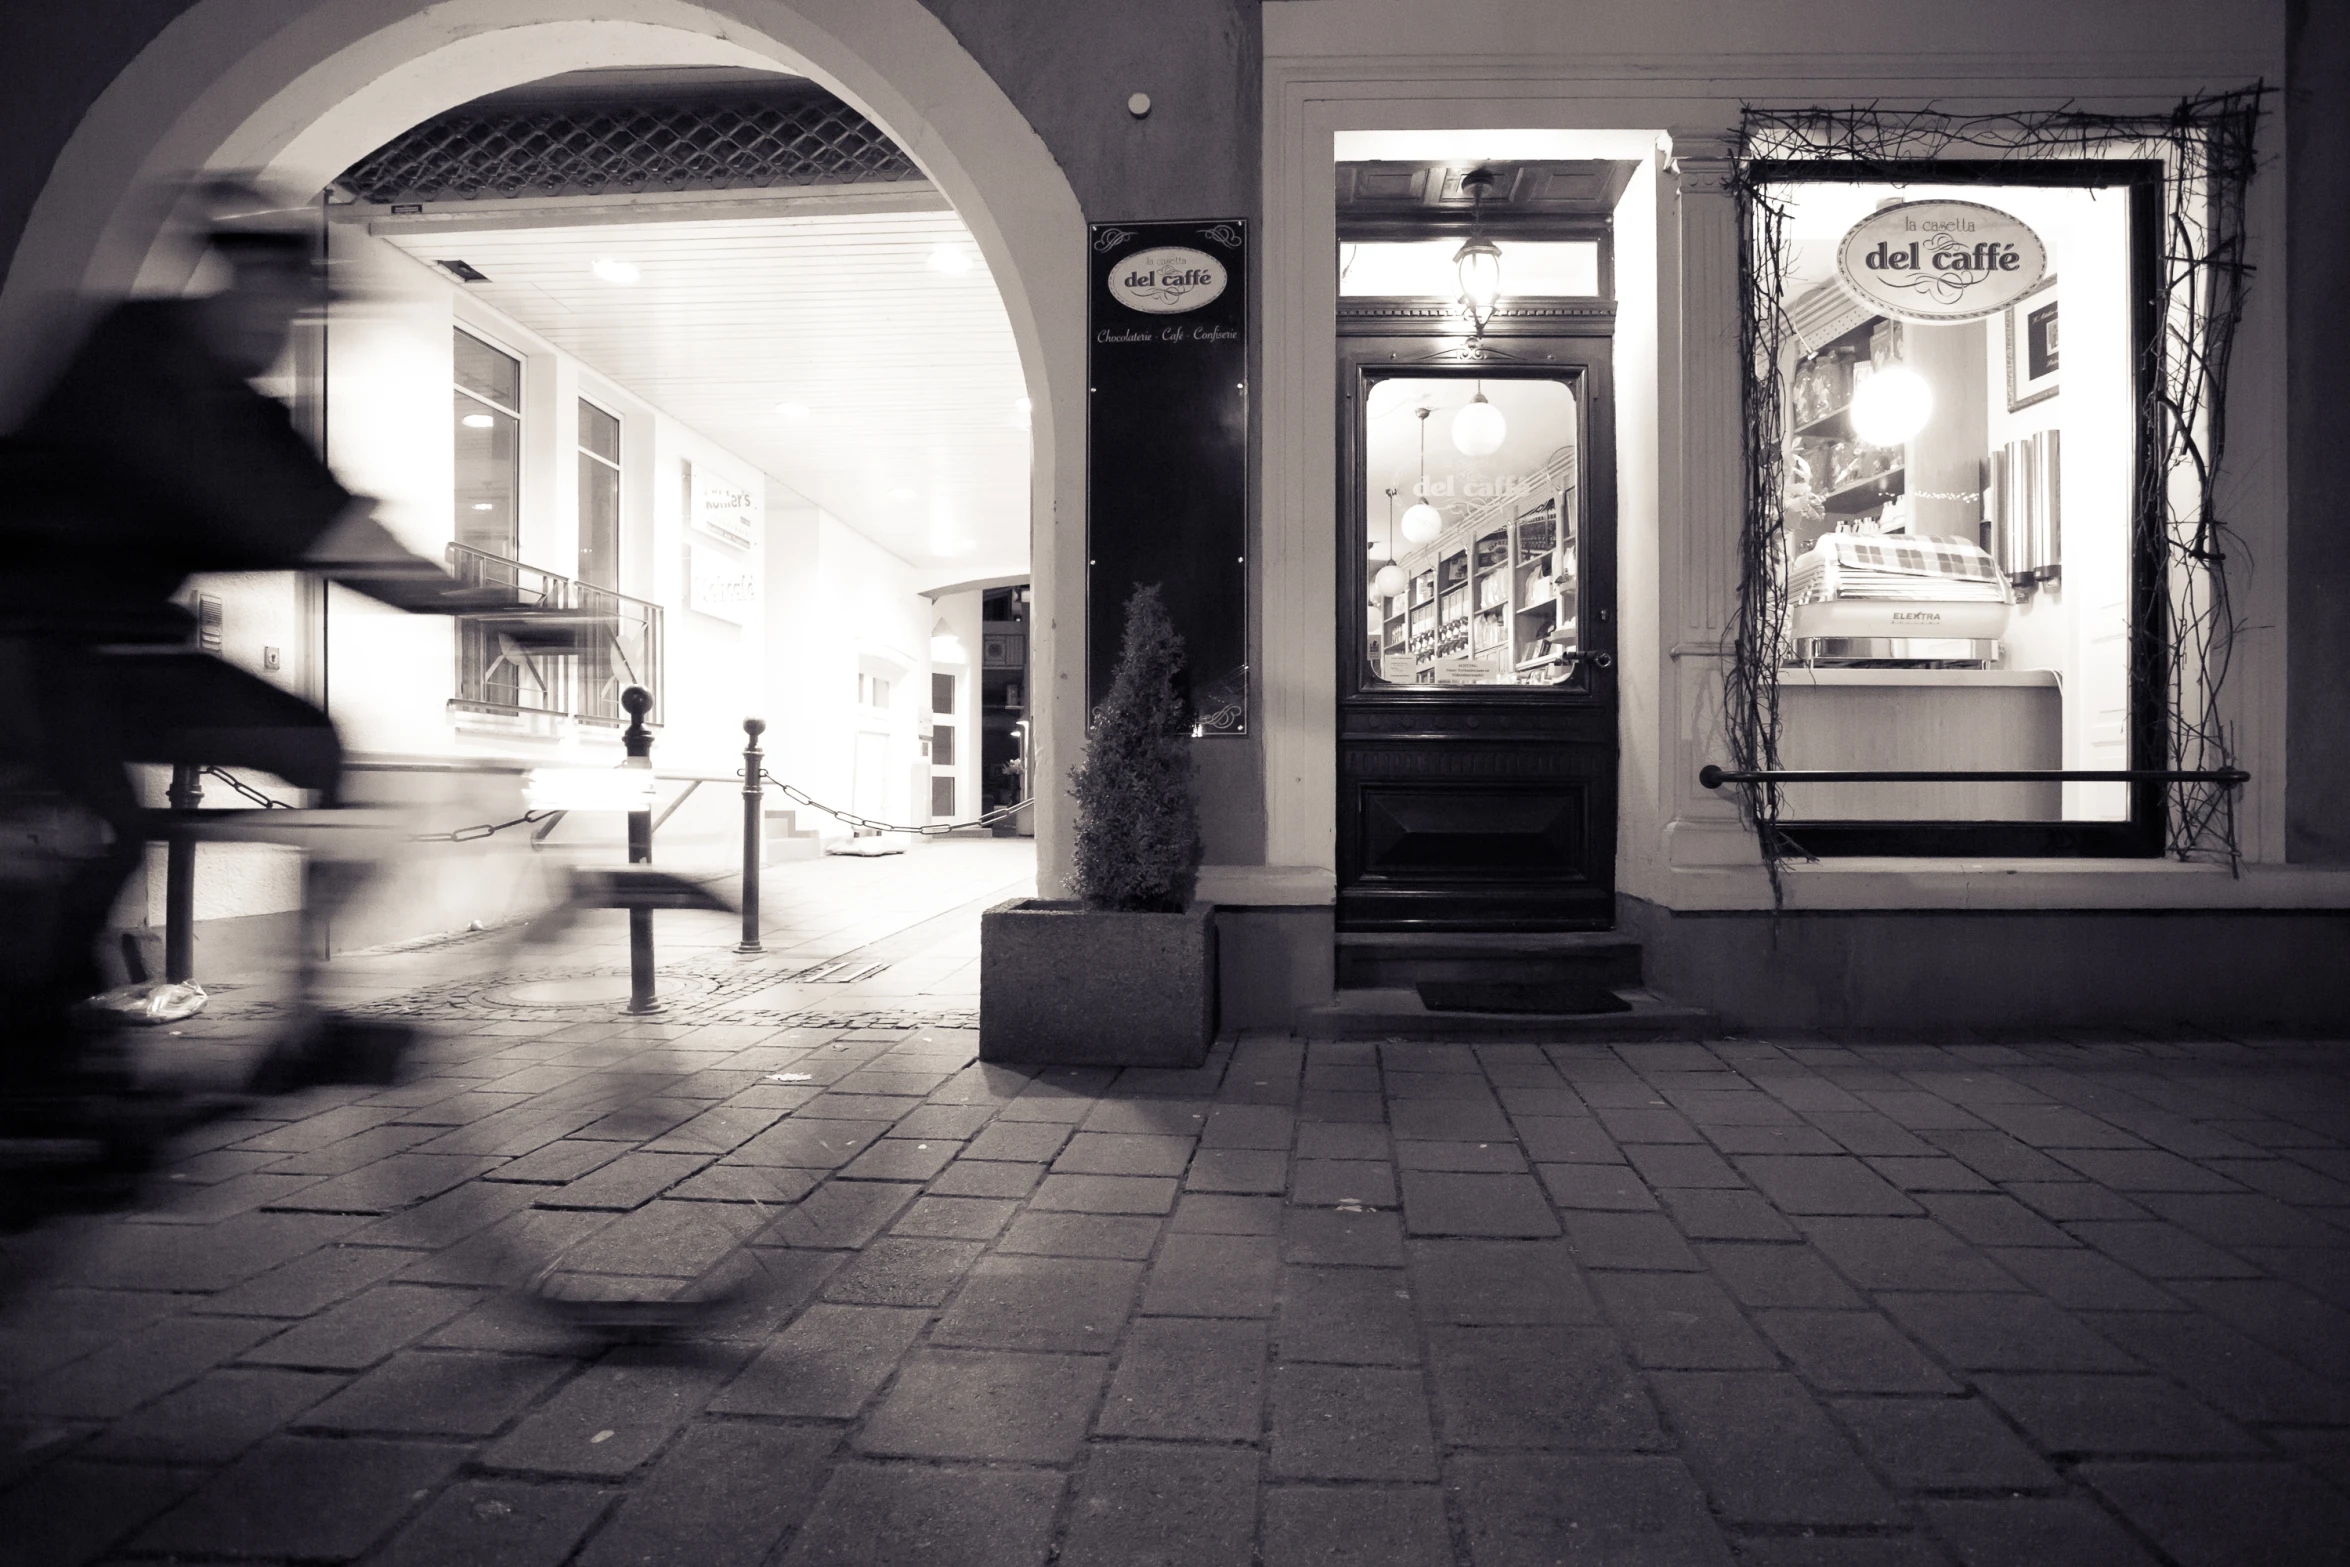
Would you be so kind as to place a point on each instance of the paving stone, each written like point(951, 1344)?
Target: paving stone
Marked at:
point(215, 1417)
point(1207, 1213)
point(1577, 1140)
point(1916, 1110)
point(1943, 1444)
point(630, 1181)
point(1999, 1156)
point(1238, 1170)
point(724, 1496)
point(1249, 1126)
point(1936, 1173)
point(810, 1144)
point(2056, 1126)
point(387, 1184)
point(2227, 1370)
point(1125, 1237)
point(1334, 1238)
point(2083, 1280)
point(1352, 1316)
point(2240, 1219)
point(871, 1514)
point(1646, 1123)
point(1993, 1219)
point(1682, 1164)
point(1355, 1526)
point(956, 1218)
point(1536, 1511)
point(72, 1511)
point(719, 1129)
point(2003, 1333)
point(2215, 1515)
point(1123, 1154)
point(1627, 1240)
point(1602, 1187)
point(1105, 1194)
point(968, 1177)
point(994, 1405)
point(900, 1159)
point(896, 1271)
point(497, 1523)
point(438, 1393)
point(1212, 1276)
point(510, 1250)
point(2159, 1250)
point(1153, 1117)
point(1171, 1506)
point(364, 1329)
point(616, 1414)
point(146, 1364)
point(1540, 1385)
point(1075, 1305)
point(1327, 1182)
point(304, 1497)
point(1351, 1423)
point(445, 1220)
point(840, 1214)
point(2145, 1170)
point(1477, 1158)
point(2026, 1529)
point(311, 1283)
point(1765, 1453)
point(1498, 1282)
point(1681, 1320)
point(1852, 1352)
point(1839, 1185)
point(1776, 1141)
point(1365, 1109)
point(1327, 1140)
point(1024, 1142)
point(954, 1123)
point(198, 1257)
point(1448, 1120)
point(679, 1240)
point(826, 1365)
point(2289, 1320)
point(2134, 1415)
point(1445, 1203)
point(1727, 1216)
point(1466, 1086)
point(1894, 1254)
point(1188, 1379)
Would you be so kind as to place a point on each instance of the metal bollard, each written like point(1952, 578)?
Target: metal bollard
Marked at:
point(754, 824)
point(639, 741)
point(179, 877)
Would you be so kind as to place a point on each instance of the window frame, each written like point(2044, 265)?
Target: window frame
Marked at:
point(521, 363)
point(585, 454)
point(2140, 835)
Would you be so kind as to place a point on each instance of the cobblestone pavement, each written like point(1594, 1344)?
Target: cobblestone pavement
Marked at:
point(1784, 1301)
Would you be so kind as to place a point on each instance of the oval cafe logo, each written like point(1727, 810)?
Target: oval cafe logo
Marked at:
point(1167, 281)
point(1935, 261)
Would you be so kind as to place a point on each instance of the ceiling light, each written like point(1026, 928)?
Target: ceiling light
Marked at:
point(792, 410)
point(1891, 406)
point(1389, 582)
point(1422, 523)
point(484, 506)
point(1478, 262)
point(614, 270)
point(1479, 429)
point(1021, 405)
point(477, 421)
point(953, 260)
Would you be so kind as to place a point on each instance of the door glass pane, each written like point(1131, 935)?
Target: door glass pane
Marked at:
point(1959, 496)
point(1470, 536)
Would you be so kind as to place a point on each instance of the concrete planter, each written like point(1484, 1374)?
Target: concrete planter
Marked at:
point(1064, 985)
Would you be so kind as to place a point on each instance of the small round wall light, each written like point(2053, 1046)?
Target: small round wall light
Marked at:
point(1139, 104)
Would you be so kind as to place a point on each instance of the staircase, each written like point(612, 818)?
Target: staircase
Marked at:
point(1593, 977)
point(783, 840)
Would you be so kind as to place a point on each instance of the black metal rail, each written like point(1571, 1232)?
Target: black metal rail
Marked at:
point(1713, 777)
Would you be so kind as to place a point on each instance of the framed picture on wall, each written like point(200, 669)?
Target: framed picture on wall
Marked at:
point(2031, 346)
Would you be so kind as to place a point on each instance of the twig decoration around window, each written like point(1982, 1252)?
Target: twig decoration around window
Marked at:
point(2187, 622)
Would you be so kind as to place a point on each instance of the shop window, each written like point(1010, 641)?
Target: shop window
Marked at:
point(1964, 581)
point(942, 693)
point(1473, 530)
point(599, 497)
point(488, 434)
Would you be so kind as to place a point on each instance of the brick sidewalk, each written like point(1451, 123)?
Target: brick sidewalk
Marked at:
point(1785, 1302)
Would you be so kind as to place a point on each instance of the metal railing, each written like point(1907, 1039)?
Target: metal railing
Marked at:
point(1713, 777)
point(495, 674)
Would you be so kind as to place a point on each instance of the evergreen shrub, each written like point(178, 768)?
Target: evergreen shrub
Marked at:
point(1138, 842)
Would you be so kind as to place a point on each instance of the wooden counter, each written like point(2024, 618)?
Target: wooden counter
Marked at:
point(1921, 719)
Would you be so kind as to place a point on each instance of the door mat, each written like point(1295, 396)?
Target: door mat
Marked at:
point(1549, 1000)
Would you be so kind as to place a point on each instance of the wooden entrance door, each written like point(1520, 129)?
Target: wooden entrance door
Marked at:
point(1477, 705)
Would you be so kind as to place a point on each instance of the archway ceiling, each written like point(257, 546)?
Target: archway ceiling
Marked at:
point(914, 434)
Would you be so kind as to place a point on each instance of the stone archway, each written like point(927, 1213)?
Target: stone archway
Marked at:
point(300, 92)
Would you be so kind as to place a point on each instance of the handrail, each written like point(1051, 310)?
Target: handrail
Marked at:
point(1713, 777)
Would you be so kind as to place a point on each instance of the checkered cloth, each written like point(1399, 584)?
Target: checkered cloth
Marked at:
point(1857, 566)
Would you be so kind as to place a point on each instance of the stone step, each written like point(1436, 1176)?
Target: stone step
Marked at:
point(1383, 960)
point(1397, 1012)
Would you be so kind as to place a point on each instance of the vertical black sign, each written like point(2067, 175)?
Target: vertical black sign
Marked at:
point(1167, 450)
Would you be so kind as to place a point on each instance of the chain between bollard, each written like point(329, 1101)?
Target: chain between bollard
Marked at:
point(472, 834)
point(799, 796)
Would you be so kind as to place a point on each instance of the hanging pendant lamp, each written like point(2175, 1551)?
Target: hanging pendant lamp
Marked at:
point(1423, 521)
point(1479, 429)
point(1478, 262)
